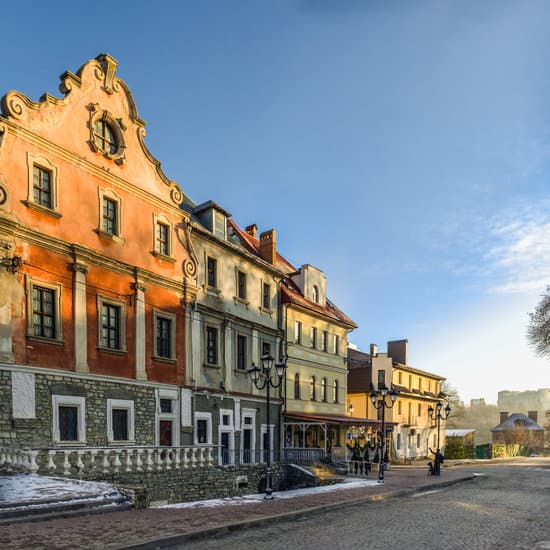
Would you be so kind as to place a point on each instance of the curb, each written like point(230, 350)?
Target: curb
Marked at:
point(156, 544)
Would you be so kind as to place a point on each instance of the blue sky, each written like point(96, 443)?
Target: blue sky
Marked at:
point(402, 147)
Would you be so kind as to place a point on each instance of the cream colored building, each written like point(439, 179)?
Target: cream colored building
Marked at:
point(415, 432)
point(316, 349)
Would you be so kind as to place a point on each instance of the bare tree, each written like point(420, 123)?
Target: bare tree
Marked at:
point(538, 330)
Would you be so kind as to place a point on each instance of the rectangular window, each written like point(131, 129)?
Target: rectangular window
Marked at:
point(163, 239)
point(266, 348)
point(325, 341)
point(42, 189)
point(211, 345)
point(418, 440)
point(381, 378)
point(43, 312)
point(202, 431)
point(241, 352)
point(241, 285)
point(68, 423)
point(69, 418)
point(266, 296)
point(110, 326)
point(120, 424)
point(399, 407)
point(298, 332)
point(164, 337)
point(419, 409)
point(212, 272)
point(336, 344)
point(313, 338)
point(110, 216)
point(166, 405)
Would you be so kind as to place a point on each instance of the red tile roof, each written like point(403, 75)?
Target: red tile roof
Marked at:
point(290, 292)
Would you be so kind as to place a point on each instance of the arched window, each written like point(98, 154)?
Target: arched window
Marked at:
point(296, 386)
point(324, 389)
point(335, 391)
point(316, 294)
point(312, 388)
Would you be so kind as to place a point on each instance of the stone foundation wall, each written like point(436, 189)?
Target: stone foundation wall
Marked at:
point(36, 432)
point(199, 483)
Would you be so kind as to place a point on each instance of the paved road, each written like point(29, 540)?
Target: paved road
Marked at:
point(507, 507)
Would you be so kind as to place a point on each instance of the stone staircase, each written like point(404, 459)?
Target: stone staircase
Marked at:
point(62, 507)
point(31, 497)
point(326, 475)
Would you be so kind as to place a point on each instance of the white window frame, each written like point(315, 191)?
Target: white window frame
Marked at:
point(263, 430)
point(203, 416)
point(31, 282)
point(101, 301)
point(42, 162)
point(69, 401)
point(173, 395)
point(162, 219)
point(172, 318)
point(230, 429)
point(249, 413)
point(108, 193)
point(128, 405)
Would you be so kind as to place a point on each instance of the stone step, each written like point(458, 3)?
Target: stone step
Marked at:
point(62, 508)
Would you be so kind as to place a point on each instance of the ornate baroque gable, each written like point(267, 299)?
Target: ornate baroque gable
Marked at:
point(97, 121)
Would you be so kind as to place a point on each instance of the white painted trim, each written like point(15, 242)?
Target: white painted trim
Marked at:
point(128, 405)
point(249, 413)
point(230, 429)
point(69, 401)
point(203, 416)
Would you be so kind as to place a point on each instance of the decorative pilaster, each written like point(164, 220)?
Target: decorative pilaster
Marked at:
point(141, 372)
point(228, 364)
point(80, 271)
point(196, 339)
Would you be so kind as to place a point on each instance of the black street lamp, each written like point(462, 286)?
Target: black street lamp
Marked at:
point(263, 378)
point(436, 413)
point(379, 401)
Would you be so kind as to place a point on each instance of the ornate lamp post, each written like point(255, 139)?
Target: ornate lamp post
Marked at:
point(436, 413)
point(379, 401)
point(263, 378)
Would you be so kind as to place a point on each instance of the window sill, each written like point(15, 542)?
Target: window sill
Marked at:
point(45, 340)
point(122, 442)
point(266, 311)
point(168, 360)
point(42, 209)
point(211, 366)
point(113, 351)
point(109, 236)
point(242, 301)
point(240, 371)
point(69, 443)
point(164, 257)
point(212, 290)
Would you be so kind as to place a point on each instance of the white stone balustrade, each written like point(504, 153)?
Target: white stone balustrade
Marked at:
point(105, 460)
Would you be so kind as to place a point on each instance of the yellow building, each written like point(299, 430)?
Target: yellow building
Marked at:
point(411, 433)
point(316, 378)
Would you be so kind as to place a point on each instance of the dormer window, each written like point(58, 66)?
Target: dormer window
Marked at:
point(316, 294)
point(219, 225)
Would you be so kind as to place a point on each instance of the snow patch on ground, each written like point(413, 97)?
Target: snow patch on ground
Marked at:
point(251, 499)
point(16, 488)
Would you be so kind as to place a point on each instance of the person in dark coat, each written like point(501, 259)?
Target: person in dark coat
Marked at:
point(438, 460)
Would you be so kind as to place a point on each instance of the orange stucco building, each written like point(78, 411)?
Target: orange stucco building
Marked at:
point(95, 267)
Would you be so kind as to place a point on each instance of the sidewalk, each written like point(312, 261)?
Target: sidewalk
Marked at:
point(149, 528)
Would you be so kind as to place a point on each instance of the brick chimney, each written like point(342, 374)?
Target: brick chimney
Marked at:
point(374, 350)
point(503, 416)
point(268, 247)
point(252, 229)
